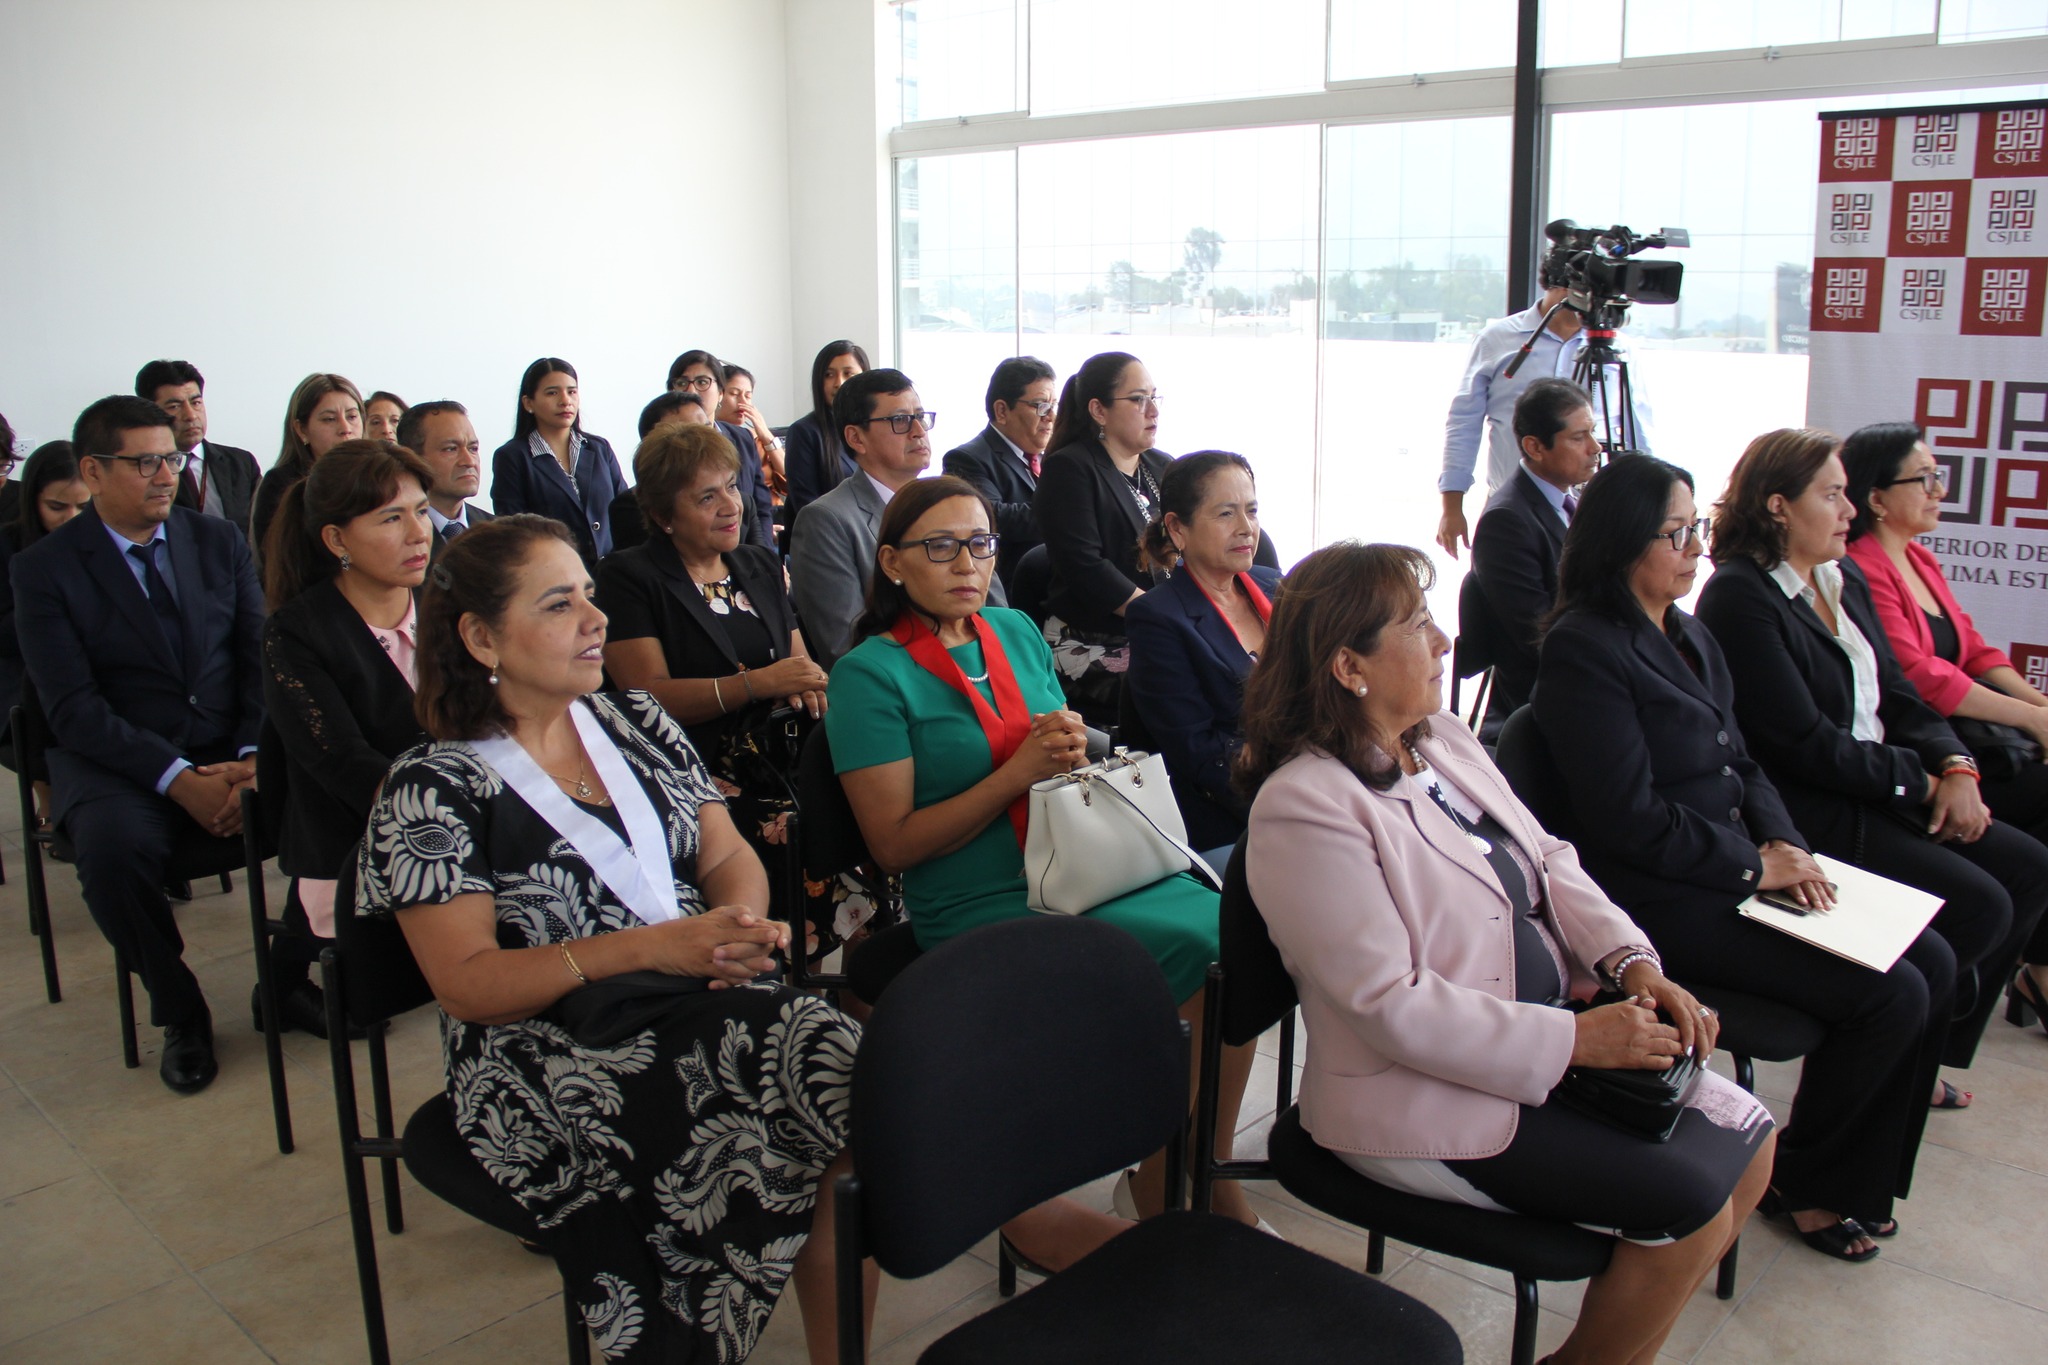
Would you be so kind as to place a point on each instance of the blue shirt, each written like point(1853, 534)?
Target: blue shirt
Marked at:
point(1552, 494)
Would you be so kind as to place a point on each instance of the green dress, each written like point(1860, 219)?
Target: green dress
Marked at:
point(885, 708)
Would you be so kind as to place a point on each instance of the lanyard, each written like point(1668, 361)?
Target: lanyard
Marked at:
point(1007, 724)
point(642, 877)
point(1261, 604)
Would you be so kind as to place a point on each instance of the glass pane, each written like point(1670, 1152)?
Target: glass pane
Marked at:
point(956, 271)
point(959, 57)
point(1658, 28)
point(1195, 252)
point(1371, 38)
point(1123, 54)
point(1964, 21)
point(1417, 261)
point(1581, 32)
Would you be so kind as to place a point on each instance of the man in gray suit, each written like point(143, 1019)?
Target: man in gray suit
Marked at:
point(832, 548)
point(440, 433)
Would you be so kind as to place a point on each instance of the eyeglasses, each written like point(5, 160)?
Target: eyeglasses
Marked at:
point(1934, 480)
point(946, 549)
point(147, 465)
point(1143, 400)
point(1044, 407)
point(900, 422)
point(7, 464)
point(1682, 536)
point(703, 383)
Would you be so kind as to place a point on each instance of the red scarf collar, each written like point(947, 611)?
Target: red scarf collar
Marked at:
point(1261, 604)
point(1007, 724)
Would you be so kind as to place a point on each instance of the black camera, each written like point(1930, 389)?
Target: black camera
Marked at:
point(1593, 265)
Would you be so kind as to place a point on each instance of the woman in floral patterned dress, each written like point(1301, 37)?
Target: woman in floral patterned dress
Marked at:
point(552, 838)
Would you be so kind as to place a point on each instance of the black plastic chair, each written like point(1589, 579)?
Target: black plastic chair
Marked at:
point(1029, 582)
point(370, 977)
point(825, 842)
point(1131, 730)
point(1472, 653)
point(38, 843)
point(1019, 1061)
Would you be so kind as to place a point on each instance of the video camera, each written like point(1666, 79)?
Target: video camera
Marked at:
point(1593, 266)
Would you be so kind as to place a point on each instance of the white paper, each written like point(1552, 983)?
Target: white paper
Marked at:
point(1873, 922)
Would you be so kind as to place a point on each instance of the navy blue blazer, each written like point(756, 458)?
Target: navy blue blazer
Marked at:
point(1665, 804)
point(807, 448)
point(522, 481)
point(120, 708)
point(1187, 673)
point(989, 464)
point(1515, 549)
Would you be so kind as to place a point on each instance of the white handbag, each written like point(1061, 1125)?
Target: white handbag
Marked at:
point(1103, 831)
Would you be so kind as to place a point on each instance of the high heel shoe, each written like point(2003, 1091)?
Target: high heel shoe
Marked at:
point(2023, 1004)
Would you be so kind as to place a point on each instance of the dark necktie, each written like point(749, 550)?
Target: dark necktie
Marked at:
point(452, 530)
point(192, 485)
point(160, 600)
point(1571, 507)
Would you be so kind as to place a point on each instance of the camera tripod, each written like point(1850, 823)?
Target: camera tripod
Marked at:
point(1619, 434)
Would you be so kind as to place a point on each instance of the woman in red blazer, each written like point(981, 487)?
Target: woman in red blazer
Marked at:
point(1444, 947)
point(1896, 488)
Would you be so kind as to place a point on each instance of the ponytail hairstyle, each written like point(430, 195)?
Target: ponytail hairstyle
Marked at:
point(886, 600)
point(354, 478)
point(1872, 457)
point(1096, 380)
point(1181, 494)
point(524, 423)
point(474, 575)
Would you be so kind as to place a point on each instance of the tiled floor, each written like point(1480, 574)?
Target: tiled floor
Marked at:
point(140, 1226)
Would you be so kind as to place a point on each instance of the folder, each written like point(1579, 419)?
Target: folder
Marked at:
point(1873, 922)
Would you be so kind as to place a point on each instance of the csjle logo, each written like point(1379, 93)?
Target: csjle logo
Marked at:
point(1856, 144)
point(1845, 292)
point(1930, 216)
point(2018, 137)
point(1849, 217)
point(1935, 139)
point(2002, 295)
point(1924, 294)
point(2011, 216)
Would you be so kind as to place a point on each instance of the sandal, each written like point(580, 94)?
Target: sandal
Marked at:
point(1888, 1228)
point(2021, 1000)
point(1951, 1098)
point(1836, 1240)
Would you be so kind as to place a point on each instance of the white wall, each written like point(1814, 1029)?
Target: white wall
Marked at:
point(423, 195)
point(842, 62)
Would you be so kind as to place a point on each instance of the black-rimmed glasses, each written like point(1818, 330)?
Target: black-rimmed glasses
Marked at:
point(1934, 480)
point(900, 422)
point(1682, 536)
point(147, 465)
point(1044, 407)
point(702, 383)
point(946, 549)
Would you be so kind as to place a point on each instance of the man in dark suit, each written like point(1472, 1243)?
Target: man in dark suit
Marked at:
point(1003, 460)
point(1520, 536)
point(217, 481)
point(441, 434)
point(141, 624)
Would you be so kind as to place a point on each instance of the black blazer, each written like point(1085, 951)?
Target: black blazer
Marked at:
point(474, 515)
point(269, 494)
point(235, 477)
point(341, 712)
point(1091, 525)
point(1662, 798)
point(120, 707)
point(524, 482)
point(807, 448)
point(1795, 696)
point(1515, 549)
point(989, 464)
point(1187, 673)
point(647, 592)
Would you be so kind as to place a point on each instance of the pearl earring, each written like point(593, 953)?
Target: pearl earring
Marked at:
point(897, 581)
point(1361, 689)
point(494, 677)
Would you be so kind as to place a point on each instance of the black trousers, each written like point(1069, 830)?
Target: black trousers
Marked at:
point(2022, 803)
point(1994, 890)
point(1854, 1131)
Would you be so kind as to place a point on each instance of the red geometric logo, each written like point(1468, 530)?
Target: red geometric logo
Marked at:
point(1857, 148)
point(2010, 142)
point(1848, 294)
point(1930, 218)
point(2031, 662)
point(2003, 298)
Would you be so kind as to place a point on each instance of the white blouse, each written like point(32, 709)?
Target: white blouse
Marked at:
point(1827, 578)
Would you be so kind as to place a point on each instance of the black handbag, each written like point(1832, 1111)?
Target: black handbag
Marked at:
point(1645, 1103)
point(608, 1012)
point(2002, 751)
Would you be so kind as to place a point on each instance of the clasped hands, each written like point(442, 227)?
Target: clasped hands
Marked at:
point(729, 945)
point(1058, 743)
point(1629, 1034)
point(211, 794)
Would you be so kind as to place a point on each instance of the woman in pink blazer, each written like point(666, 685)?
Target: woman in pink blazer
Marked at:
point(1896, 488)
point(1444, 947)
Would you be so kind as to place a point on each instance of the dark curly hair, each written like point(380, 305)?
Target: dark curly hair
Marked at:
point(474, 574)
point(1777, 462)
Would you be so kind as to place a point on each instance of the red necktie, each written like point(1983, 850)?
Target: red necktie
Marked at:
point(195, 484)
point(1035, 459)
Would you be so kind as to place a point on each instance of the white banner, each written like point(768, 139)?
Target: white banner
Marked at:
point(1929, 275)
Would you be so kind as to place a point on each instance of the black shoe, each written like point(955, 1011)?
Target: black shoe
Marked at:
point(188, 1064)
point(181, 892)
point(303, 1007)
point(2022, 1003)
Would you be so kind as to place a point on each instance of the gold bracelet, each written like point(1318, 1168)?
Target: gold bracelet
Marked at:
point(570, 963)
point(718, 694)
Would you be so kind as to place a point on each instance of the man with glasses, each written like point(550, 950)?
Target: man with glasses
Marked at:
point(142, 627)
point(832, 548)
point(1003, 461)
point(700, 374)
point(1520, 536)
point(217, 481)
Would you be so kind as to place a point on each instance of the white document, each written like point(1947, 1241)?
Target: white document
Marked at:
point(1873, 921)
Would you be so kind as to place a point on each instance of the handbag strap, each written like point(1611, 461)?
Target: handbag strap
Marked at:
point(1197, 864)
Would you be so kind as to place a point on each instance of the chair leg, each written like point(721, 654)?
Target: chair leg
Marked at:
point(579, 1336)
point(1527, 1308)
point(1745, 1073)
point(227, 883)
point(38, 897)
point(1006, 1269)
point(124, 999)
point(380, 1097)
point(266, 1000)
point(1724, 1281)
point(1375, 1253)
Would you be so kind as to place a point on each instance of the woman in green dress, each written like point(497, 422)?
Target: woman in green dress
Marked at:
point(941, 719)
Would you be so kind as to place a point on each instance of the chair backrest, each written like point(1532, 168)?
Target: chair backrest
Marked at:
point(828, 835)
point(1258, 992)
point(1002, 1068)
point(380, 979)
point(1029, 582)
point(1524, 760)
point(1131, 730)
point(1477, 630)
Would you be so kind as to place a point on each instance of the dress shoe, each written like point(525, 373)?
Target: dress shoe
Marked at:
point(303, 1007)
point(178, 891)
point(188, 1065)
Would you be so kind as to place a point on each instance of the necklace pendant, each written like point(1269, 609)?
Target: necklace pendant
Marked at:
point(583, 790)
point(1480, 842)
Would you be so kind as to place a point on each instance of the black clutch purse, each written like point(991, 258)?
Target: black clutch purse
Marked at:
point(2002, 751)
point(608, 1012)
point(1645, 1103)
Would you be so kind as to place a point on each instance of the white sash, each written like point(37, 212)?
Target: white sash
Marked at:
point(641, 876)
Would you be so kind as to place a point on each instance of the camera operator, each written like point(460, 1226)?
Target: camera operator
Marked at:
point(1486, 398)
